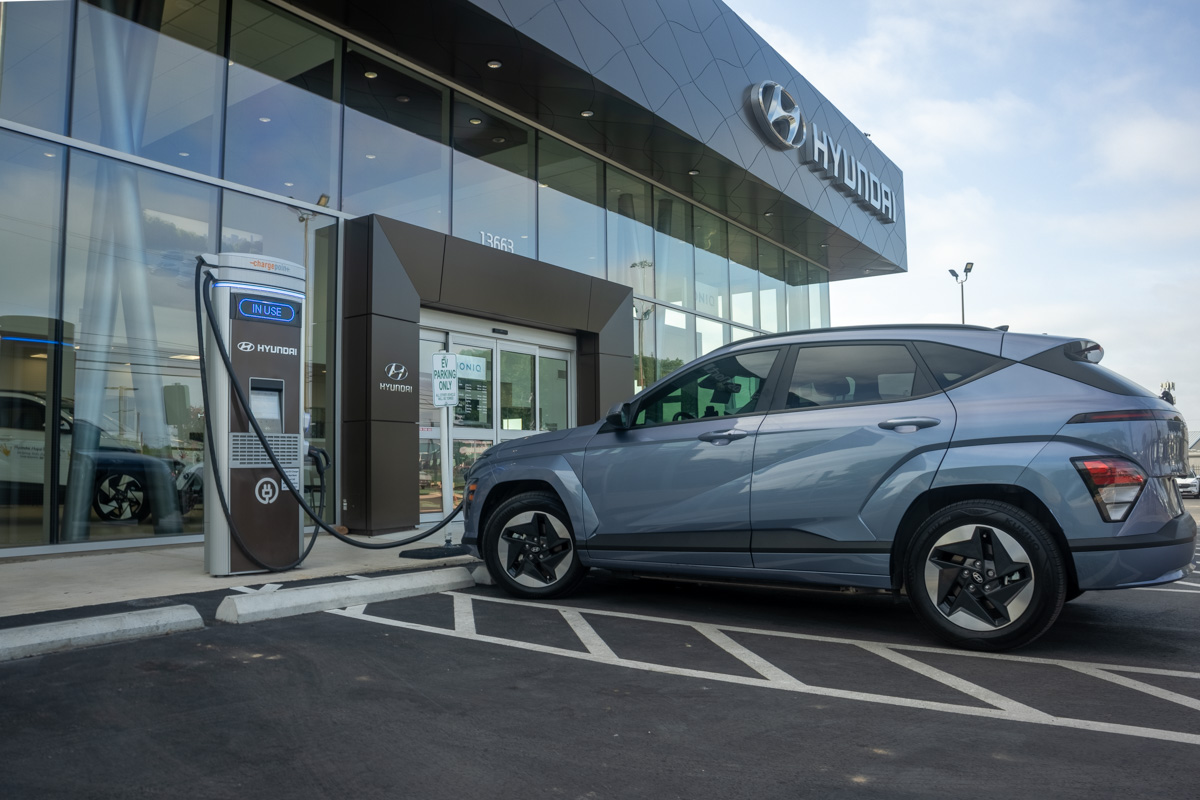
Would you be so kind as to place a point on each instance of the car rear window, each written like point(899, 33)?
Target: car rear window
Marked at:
point(853, 373)
point(1055, 360)
point(952, 366)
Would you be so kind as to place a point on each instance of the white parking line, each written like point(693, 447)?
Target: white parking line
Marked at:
point(1000, 707)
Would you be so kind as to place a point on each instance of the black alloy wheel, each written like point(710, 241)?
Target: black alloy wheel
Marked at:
point(986, 575)
point(120, 497)
point(529, 548)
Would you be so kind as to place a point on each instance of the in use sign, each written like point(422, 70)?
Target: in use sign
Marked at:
point(445, 380)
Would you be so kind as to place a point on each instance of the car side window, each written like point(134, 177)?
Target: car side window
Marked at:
point(952, 365)
point(837, 375)
point(22, 414)
point(721, 387)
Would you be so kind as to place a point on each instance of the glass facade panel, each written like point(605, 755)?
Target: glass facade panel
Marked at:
point(674, 255)
point(553, 393)
point(676, 339)
point(818, 297)
point(712, 264)
point(282, 116)
point(743, 277)
point(710, 335)
point(396, 158)
point(494, 200)
point(570, 208)
point(130, 384)
point(516, 391)
point(34, 42)
point(429, 476)
point(645, 365)
point(31, 172)
point(797, 294)
point(630, 232)
point(466, 451)
point(430, 415)
point(772, 288)
point(148, 80)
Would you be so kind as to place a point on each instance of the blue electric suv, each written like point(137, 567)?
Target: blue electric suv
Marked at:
point(990, 476)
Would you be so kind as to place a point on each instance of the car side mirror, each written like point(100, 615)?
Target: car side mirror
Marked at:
point(620, 416)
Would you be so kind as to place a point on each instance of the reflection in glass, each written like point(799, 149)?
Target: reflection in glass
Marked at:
point(396, 156)
point(494, 202)
point(34, 39)
point(148, 80)
point(130, 379)
point(772, 288)
point(282, 114)
point(712, 264)
point(466, 451)
point(553, 394)
point(429, 476)
point(797, 294)
point(516, 391)
point(743, 276)
point(645, 366)
point(474, 409)
point(429, 415)
point(710, 335)
point(630, 232)
point(676, 339)
point(818, 296)
point(31, 173)
point(673, 252)
point(570, 208)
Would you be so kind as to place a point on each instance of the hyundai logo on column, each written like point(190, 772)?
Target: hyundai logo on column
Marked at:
point(395, 372)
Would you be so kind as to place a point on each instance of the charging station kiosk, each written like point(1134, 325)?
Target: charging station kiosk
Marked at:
point(258, 303)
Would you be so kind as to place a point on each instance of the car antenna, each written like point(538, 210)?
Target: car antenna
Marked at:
point(1002, 328)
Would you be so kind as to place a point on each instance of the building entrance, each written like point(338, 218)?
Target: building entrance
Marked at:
point(513, 382)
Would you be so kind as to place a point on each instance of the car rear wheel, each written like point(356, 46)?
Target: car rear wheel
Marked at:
point(985, 575)
point(529, 547)
point(120, 497)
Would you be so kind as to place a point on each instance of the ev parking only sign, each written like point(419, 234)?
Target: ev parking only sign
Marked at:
point(445, 380)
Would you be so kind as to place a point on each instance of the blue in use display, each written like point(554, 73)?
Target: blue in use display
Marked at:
point(270, 310)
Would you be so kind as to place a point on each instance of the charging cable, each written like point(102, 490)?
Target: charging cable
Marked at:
point(204, 282)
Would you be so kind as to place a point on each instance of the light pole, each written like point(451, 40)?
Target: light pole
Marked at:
point(961, 292)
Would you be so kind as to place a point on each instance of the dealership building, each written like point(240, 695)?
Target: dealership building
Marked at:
point(572, 198)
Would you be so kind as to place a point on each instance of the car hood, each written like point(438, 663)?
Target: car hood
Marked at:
point(542, 443)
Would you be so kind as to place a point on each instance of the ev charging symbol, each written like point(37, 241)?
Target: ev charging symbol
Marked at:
point(266, 491)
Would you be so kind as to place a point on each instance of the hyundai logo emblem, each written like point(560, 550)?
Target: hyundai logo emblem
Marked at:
point(778, 115)
point(245, 347)
point(396, 372)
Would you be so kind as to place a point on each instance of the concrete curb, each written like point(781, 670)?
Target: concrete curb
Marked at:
point(238, 609)
point(34, 640)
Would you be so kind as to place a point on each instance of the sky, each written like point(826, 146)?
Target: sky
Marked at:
point(1054, 143)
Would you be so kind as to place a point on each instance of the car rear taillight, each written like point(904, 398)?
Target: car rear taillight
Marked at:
point(1115, 484)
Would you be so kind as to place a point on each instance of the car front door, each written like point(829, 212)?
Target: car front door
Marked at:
point(856, 432)
point(674, 487)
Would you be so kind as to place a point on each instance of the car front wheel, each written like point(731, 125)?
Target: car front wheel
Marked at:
point(529, 547)
point(985, 575)
point(120, 497)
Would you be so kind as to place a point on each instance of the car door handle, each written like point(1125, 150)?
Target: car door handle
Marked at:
point(722, 437)
point(908, 424)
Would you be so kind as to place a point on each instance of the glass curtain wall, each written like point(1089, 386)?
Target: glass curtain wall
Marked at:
point(570, 207)
point(35, 42)
point(31, 172)
point(630, 218)
point(712, 263)
point(674, 264)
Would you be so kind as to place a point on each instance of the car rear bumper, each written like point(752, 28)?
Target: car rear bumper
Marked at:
point(1128, 561)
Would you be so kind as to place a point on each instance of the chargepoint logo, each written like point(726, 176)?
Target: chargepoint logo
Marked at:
point(395, 372)
point(784, 126)
point(250, 347)
point(778, 115)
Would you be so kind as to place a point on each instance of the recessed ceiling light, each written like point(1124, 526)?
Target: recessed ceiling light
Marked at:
point(498, 139)
point(587, 113)
point(185, 155)
point(370, 156)
point(48, 155)
point(494, 64)
point(370, 74)
point(186, 357)
point(769, 214)
point(475, 121)
point(693, 172)
point(544, 185)
point(402, 98)
point(289, 183)
point(38, 355)
point(264, 119)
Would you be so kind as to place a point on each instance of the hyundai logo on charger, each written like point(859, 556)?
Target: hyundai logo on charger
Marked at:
point(245, 347)
point(396, 372)
point(248, 347)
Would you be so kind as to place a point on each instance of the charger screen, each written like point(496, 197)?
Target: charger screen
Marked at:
point(267, 405)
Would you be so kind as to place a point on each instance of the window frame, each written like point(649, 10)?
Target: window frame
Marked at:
point(779, 399)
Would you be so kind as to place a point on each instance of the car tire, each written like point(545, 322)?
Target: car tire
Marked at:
point(985, 575)
point(120, 497)
point(529, 547)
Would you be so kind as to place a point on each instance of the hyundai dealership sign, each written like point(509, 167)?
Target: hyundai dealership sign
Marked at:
point(783, 126)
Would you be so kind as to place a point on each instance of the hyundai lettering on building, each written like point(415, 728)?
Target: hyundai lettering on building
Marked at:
point(783, 125)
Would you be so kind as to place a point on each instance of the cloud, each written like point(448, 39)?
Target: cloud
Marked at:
point(1147, 145)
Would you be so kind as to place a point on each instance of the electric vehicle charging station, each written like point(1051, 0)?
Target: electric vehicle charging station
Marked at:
point(258, 304)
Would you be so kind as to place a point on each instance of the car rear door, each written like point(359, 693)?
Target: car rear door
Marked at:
point(674, 488)
point(857, 431)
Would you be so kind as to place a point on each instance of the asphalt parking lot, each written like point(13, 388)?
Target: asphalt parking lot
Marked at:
point(627, 689)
